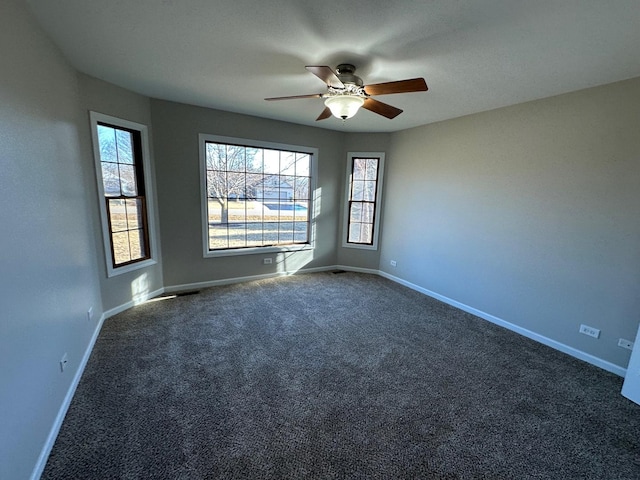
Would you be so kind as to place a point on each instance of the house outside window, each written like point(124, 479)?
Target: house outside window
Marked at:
point(256, 196)
point(121, 155)
point(363, 198)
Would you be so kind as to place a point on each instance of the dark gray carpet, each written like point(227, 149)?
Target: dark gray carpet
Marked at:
point(336, 376)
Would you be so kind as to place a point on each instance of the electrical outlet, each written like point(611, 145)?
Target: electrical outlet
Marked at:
point(267, 261)
point(63, 362)
point(625, 344)
point(90, 314)
point(394, 263)
point(587, 330)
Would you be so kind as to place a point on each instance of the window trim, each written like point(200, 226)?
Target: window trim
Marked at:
point(149, 206)
point(378, 200)
point(313, 207)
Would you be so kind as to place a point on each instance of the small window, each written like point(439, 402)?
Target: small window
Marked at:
point(256, 195)
point(121, 152)
point(363, 194)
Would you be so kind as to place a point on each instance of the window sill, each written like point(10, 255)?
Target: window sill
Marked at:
point(256, 251)
point(114, 272)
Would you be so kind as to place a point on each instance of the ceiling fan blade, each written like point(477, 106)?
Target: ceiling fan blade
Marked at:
point(326, 113)
point(311, 95)
point(380, 108)
point(401, 86)
point(327, 75)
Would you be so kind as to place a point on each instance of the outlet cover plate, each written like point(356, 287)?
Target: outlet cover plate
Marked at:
point(592, 332)
point(625, 344)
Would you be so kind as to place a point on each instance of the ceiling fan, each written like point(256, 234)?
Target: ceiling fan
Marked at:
point(346, 92)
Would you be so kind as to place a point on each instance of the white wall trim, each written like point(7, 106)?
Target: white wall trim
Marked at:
point(357, 269)
point(574, 352)
point(249, 278)
point(57, 424)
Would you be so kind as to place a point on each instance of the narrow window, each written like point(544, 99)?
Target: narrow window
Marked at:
point(363, 194)
point(120, 149)
point(256, 195)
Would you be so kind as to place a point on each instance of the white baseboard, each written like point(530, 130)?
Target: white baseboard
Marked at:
point(249, 278)
point(574, 352)
point(55, 429)
point(357, 269)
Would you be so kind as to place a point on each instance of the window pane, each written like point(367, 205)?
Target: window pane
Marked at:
point(354, 233)
point(235, 158)
point(372, 169)
point(287, 163)
point(300, 212)
point(366, 233)
point(254, 185)
point(134, 213)
point(355, 215)
point(271, 161)
point(369, 193)
point(121, 252)
point(303, 162)
point(110, 179)
point(117, 215)
point(128, 180)
point(301, 232)
point(357, 193)
point(235, 186)
point(270, 233)
point(301, 188)
point(216, 183)
point(286, 187)
point(216, 156)
point(218, 237)
point(215, 211)
point(237, 235)
point(367, 212)
point(136, 244)
point(107, 144)
point(286, 233)
point(124, 146)
point(359, 167)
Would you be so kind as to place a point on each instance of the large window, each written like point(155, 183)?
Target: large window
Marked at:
point(120, 150)
point(363, 195)
point(256, 195)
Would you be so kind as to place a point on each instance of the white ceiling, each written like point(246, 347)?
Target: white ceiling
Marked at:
point(475, 55)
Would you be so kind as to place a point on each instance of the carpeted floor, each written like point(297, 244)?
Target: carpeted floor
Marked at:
point(336, 376)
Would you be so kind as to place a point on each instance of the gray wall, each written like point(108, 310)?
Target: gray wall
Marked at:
point(527, 213)
point(109, 99)
point(176, 128)
point(48, 269)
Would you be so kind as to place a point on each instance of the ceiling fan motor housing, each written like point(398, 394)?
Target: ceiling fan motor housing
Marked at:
point(346, 74)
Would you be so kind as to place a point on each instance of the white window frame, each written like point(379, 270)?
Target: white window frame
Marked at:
point(112, 271)
point(378, 200)
point(313, 207)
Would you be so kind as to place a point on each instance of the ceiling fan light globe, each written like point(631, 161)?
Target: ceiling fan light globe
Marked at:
point(344, 106)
